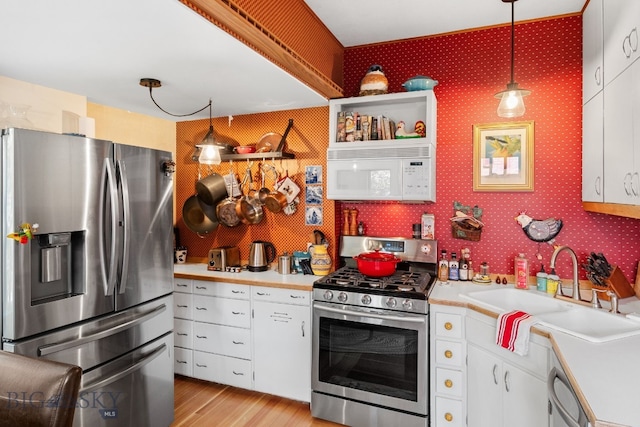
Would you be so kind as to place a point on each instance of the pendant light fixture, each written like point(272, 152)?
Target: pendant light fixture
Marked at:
point(208, 150)
point(511, 102)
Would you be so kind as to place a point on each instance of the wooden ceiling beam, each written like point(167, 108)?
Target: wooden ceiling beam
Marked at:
point(236, 22)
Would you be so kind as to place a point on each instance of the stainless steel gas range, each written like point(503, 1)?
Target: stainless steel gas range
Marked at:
point(370, 362)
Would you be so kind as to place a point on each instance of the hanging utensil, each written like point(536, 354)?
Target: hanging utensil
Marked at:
point(199, 217)
point(248, 208)
point(264, 191)
point(275, 200)
point(226, 210)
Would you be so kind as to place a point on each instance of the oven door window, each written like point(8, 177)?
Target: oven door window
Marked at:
point(373, 358)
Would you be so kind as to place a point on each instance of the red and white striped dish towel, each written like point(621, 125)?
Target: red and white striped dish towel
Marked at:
point(513, 331)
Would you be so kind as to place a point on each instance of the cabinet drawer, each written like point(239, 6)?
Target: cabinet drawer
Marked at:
point(449, 381)
point(183, 285)
point(183, 333)
point(183, 361)
point(278, 295)
point(223, 311)
point(448, 325)
point(182, 306)
point(224, 340)
point(218, 289)
point(449, 353)
point(448, 413)
point(484, 335)
point(222, 369)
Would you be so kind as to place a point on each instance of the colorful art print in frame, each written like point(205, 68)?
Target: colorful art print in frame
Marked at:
point(503, 156)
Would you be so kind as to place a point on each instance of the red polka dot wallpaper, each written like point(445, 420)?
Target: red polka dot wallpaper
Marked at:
point(471, 67)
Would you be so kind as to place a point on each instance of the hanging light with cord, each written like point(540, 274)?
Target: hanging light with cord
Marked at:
point(208, 150)
point(511, 102)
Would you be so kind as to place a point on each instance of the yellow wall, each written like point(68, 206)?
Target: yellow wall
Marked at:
point(46, 104)
point(130, 128)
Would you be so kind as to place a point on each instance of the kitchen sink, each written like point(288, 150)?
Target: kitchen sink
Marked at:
point(595, 325)
point(591, 324)
point(507, 299)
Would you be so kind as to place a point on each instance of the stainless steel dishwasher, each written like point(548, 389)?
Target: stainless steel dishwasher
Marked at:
point(567, 410)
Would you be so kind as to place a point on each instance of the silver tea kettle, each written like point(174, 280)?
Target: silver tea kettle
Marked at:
point(261, 254)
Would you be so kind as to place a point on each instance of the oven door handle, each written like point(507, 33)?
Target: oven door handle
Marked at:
point(355, 312)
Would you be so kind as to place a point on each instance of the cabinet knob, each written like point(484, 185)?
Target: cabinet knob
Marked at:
point(448, 354)
point(448, 326)
point(448, 416)
point(448, 383)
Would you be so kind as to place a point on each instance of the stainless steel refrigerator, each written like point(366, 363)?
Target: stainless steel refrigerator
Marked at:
point(87, 269)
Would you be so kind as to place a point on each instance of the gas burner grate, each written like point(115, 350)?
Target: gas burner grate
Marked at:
point(400, 281)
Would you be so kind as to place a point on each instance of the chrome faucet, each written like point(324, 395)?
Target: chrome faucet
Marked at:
point(574, 260)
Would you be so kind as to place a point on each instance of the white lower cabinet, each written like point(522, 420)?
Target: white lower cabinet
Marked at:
point(222, 333)
point(503, 388)
point(183, 361)
point(245, 336)
point(183, 327)
point(222, 369)
point(447, 366)
point(282, 342)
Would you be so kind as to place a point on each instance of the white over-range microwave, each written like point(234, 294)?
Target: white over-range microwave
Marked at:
point(382, 171)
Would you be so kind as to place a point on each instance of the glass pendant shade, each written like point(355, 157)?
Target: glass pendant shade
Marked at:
point(511, 102)
point(209, 151)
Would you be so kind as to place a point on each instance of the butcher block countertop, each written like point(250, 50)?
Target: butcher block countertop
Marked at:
point(605, 375)
point(270, 278)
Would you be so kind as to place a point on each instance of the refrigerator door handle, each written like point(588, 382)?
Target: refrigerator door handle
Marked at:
point(126, 244)
point(102, 333)
point(127, 371)
point(109, 276)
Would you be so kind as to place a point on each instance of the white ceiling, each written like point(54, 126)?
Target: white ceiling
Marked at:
point(101, 49)
point(358, 22)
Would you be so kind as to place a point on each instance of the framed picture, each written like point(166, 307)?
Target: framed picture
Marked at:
point(313, 174)
point(313, 195)
point(313, 215)
point(503, 156)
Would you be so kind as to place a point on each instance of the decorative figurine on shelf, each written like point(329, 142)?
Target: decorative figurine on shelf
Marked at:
point(539, 230)
point(421, 128)
point(374, 82)
point(401, 132)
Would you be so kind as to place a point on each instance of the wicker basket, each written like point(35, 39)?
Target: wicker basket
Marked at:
point(460, 231)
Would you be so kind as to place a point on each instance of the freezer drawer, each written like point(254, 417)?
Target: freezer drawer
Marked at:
point(95, 342)
point(135, 389)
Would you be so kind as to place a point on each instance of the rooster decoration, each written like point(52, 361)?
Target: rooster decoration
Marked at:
point(539, 230)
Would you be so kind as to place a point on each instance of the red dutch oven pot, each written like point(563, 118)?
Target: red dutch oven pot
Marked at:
point(377, 264)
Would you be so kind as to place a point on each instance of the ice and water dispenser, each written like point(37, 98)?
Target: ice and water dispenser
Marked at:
point(56, 266)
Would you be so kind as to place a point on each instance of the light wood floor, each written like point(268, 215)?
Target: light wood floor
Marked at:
point(202, 403)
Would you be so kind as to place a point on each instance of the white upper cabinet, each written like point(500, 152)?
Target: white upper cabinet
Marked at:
point(621, 22)
point(592, 58)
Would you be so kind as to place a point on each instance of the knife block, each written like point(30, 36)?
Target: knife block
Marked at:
point(619, 284)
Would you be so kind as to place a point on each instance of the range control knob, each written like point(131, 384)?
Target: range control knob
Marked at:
point(407, 304)
point(328, 295)
point(342, 297)
point(366, 299)
point(391, 302)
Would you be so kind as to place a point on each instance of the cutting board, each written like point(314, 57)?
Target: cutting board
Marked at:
point(619, 284)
